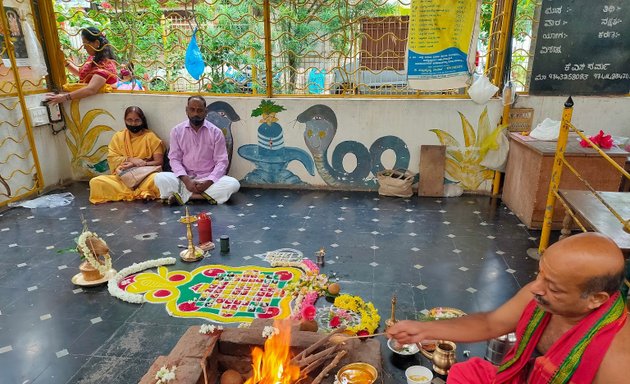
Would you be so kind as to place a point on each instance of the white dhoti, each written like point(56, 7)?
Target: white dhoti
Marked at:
point(220, 191)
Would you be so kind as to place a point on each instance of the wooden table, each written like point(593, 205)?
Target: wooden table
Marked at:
point(593, 214)
point(528, 173)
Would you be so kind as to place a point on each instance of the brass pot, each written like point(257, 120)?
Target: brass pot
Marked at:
point(443, 357)
point(89, 272)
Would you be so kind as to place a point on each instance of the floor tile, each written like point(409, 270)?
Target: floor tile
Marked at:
point(380, 248)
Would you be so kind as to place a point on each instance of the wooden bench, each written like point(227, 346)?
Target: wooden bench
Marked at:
point(594, 215)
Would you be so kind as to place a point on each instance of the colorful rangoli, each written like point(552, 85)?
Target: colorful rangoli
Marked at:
point(217, 292)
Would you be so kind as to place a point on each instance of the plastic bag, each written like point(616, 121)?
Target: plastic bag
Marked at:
point(34, 50)
point(46, 201)
point(193, 60)
point(482, 90)
point(453, 190)
point(547, 130)
point(496, 159)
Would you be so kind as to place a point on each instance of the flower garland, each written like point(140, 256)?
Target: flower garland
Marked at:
point(369, 315)
point(207, 329)
point(269, 332)
point(311, 286)
point(134, 298)
point(87, 253)
point(165, 375)
point(304, 306)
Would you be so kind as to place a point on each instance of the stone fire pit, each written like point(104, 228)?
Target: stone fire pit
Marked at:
point(231, 349)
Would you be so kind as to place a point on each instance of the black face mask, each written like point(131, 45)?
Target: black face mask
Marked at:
point(135, 128)
point(196, 121)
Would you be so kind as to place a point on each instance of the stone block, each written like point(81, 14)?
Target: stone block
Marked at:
point(193, 344)
point(188, 370)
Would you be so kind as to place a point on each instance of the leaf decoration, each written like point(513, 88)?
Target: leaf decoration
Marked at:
point(446, 138)
point(467, 130)
point(463, 163)
point(267, 107)
point(82, 137)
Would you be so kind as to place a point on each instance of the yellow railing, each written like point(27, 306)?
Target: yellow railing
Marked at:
point(20, 173)
point(343, 48)
point(559, 163)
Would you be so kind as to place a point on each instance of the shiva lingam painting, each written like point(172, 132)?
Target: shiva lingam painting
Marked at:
point(269, 353)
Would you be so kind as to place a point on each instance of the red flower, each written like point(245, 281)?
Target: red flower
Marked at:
point(335, 322)
point(363, 332)
point(308, 312)
point(106, 5)
point(601, 140)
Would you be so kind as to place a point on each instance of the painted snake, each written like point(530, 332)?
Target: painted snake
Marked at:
point(321, 127)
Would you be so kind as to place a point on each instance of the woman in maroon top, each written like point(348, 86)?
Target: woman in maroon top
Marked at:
point(98, 70)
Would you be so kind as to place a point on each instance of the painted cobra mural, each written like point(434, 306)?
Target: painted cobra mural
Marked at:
point(321, 127)
point(270, 156)
point(223, 115)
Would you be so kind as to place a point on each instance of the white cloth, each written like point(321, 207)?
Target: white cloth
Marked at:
point(220, 191)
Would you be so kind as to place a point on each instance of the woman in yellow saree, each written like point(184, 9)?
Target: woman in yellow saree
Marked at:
point(135, 146)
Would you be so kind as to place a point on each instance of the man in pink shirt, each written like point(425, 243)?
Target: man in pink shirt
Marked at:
point(198, 159)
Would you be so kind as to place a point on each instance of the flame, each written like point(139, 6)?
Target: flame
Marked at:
point(272, 365)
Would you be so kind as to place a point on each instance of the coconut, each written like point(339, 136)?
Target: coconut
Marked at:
point(334, 289)
point(231, 377)
point(308, 325)
point(97, 246)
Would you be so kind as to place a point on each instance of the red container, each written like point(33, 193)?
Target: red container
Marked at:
point(204, 226)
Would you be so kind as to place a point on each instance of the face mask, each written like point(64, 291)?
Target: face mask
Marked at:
point(196, 121)
point(135, 128)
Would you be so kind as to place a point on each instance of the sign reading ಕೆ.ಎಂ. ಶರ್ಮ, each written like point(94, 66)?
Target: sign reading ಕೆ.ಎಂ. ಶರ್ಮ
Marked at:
point(582, 48)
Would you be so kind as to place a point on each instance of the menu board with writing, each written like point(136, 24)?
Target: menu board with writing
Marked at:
point(441, 43)
point(582, 48)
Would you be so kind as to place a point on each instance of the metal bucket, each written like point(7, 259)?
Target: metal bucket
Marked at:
point(498, 347)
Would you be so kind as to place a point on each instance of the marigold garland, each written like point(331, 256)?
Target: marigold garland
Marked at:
point(370, 318)
point(86, 252)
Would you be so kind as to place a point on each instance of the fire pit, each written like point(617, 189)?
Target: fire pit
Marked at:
point(203, 358)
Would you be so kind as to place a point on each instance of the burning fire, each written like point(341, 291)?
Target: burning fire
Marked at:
point(272, 365)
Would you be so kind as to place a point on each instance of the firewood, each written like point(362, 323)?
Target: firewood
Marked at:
point(316, 356)
point(330, 366)
point(314, 365)
point(314, 347)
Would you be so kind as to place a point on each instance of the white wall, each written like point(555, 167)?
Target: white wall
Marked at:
point(590, 114)
point(358, 119)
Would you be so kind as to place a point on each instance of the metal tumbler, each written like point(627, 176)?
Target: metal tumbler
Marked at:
point(224, 241)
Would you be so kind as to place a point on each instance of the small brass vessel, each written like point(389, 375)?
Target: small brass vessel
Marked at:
point(443, 357)
point(357, 373)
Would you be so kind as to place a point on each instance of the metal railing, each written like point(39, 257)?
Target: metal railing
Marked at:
point(274, 48)
point(20, 173)
point(556, 174)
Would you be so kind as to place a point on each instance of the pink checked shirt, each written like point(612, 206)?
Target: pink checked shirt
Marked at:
point(200, 155)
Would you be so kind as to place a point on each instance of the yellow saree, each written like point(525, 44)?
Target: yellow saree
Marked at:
point(109, 187)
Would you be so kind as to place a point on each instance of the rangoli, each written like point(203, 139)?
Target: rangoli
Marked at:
point(217, 292)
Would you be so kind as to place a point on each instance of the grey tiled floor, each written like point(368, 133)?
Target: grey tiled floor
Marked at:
point(467, 252)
